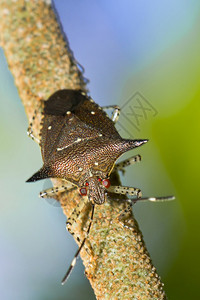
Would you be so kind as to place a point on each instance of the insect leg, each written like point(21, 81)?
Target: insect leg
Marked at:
point(115, 113)
point(74, 217)
point(79, 250)
point(125, 190)
point(30, 129)
point(127, 162)
point(54, 190)
point(72, 221)
point(124, 217)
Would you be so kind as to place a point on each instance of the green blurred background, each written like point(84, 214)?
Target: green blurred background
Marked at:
point(151, 48)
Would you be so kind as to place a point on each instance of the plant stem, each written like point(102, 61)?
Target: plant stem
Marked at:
point(118, 264)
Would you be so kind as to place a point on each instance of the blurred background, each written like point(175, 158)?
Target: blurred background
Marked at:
point(145, 57)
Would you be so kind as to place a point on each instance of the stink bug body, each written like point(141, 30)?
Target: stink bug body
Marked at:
point(79, 143)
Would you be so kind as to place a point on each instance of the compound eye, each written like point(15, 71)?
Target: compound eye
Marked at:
point(83, 191)
point(99, 179)
point(87, 183)
point(106, 183)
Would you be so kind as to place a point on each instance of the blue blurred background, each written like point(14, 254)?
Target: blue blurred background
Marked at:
point(133, 52)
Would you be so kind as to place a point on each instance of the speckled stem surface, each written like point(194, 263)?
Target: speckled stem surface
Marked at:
point(116, 261)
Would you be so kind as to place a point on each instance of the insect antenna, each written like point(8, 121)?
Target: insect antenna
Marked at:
point(154, 199)
point(73, 263)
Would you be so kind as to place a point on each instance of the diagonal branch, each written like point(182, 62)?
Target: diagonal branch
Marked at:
point(118, 264)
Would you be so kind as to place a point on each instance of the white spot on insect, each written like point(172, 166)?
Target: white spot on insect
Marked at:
point(83, 93)
point(80, 169)
point(93, 112)
point(91, 100)
point(60, 149)
point(100, 134)
point(76, 141)
point(96, 163)
point(49, 127)
point(68, 112)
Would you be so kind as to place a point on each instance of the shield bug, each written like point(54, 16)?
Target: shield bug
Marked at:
point(80, 144)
